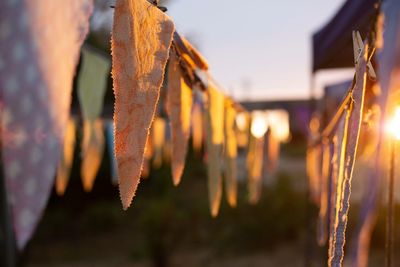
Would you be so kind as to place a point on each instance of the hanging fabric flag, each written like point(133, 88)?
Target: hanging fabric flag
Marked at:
point(388, 45)
point(242, 129)
point(273, 151)
point(324, 195)
point(255, 156)
point(214, 115)
point(148, 154)
point(230, 154)
point(179, 108)
point(92, 149)
point(197, 127)
point(190, 54)
point(337, 141)
point(39, 49)
point(158, 141)
point(67, 158)
point(92, 83)
point(347, 162)
point(141, 38)
point(314, 165)
point(109, 125)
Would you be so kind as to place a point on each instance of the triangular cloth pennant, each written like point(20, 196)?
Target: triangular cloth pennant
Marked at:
point(346, 167)
point(214, 118)
point(179, 109)
point(109, 127)
point(141, 38)
point(92, 83)
point(157, 141)
point(92, 149)
point(39, 50)
point(254, 163)
point(230, 154)
point(67, 158)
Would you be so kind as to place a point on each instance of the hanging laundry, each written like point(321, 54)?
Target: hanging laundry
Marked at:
point(197, 127)
point(242, 129)
point(92, 83)
point(109, 125)
point(346, 166)
point(67, 158)
point(190, 54)
point(337, 141)
point(158, 141)
point(141, 38)
point(92, 149)
point(148, 155)
point(273, 151)
point(324, 194)
point(179, 108)
point(388, 46)
point(39, 50)
point(255, 157)
point(230, 154)
point(214, 116)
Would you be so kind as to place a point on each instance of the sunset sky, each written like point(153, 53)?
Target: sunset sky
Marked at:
point(256, 49)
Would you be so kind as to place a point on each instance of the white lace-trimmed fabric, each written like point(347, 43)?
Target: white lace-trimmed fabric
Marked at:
point(39, 49)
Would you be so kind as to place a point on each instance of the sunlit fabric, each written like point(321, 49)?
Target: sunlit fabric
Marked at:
point(230, 154)
point(313, 161)
point(109, 127)
point(92, 83)
point(36, 75)
point(197, 127)
point(141, 38)
point(158, 141)
point(242, 129)
point(388, 46)
point(254, 163)
point(273, 151)
point(92, 149)
point(349, 149)
point(179, 109)
point(214, 116)
point(324, 193)
point(198, 60)
point(148, 155)
point(67, 158)
point(337, 141)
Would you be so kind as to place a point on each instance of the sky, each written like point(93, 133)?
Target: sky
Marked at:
point(256, 49)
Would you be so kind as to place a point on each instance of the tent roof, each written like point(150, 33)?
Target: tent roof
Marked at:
point(333, 45)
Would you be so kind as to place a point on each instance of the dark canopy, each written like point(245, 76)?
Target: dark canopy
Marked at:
point(333, 45)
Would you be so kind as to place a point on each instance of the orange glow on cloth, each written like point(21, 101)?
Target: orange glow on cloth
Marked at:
point(158, 141)
point(179, 109)
point(67, 158)
point(214, 116)
point(141, 38)
point(254, 168)
point(92, 149)
point(230, 154)
point(197, 128)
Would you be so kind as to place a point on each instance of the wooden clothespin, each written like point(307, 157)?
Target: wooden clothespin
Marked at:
point(358, 47)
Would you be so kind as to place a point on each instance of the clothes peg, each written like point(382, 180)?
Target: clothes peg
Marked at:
point(358, 47)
